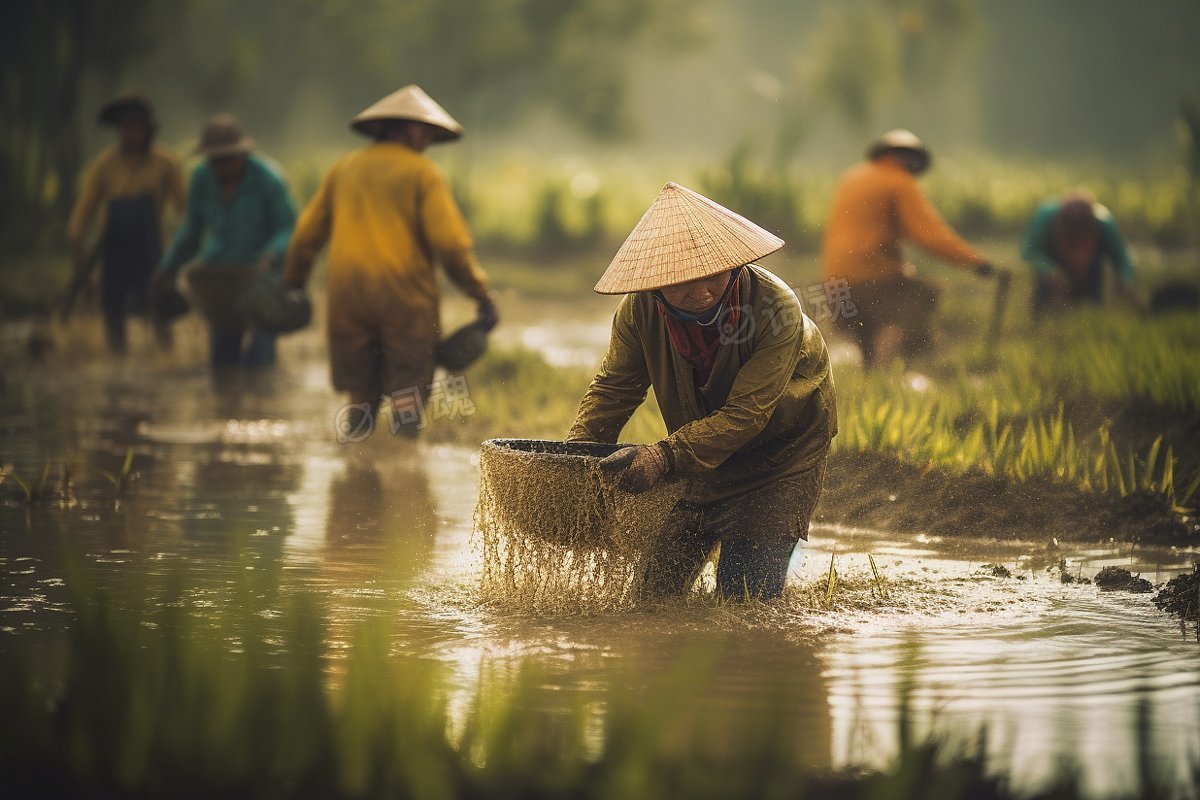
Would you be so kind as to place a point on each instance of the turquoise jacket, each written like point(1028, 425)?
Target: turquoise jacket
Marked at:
point(1038, 248)
point(256, 223)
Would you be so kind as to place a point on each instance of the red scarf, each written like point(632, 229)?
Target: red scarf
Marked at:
point(698, 344)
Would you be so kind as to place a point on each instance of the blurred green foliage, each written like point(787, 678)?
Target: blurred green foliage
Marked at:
point(490, 60)
point(295, 69)
point(527, 204)
point(163, 701)
point(1189, 118)
point(47, 49)
point(1107, 409)
point(521, 207)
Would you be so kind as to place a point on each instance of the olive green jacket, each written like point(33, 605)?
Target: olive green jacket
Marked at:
point(766, 412)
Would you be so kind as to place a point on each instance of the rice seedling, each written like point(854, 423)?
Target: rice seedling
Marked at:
point(883, 595)
point(1018, 424)
point(123, 478)
point(831, 582)
point(33, 492)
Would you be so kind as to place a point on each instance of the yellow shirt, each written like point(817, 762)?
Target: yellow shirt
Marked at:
point(387, 213)
point(876, 206)
point(115, 175)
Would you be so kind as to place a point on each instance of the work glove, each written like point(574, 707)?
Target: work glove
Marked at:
point(486, 312)
point(641, 466)
point(985, 269)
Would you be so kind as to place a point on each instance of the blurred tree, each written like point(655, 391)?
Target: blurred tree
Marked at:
point(930, 34)
point(487, 60)
point(855, 61)
point(1189, 118)
point(874, 56)
point(46, 50)
point(492, 60)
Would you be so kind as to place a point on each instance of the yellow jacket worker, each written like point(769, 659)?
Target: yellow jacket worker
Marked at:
point(388, 216)
point(130, 186)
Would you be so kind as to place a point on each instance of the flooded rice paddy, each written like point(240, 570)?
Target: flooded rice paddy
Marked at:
point(259, 485)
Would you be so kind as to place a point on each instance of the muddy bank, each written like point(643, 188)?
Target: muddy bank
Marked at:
point(880, 491)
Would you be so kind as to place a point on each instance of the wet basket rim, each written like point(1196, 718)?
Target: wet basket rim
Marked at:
point(552, 449)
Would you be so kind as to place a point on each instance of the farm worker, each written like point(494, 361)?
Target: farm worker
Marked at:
point(877, 205)
point(239, 219)
point(742, 380)
point(131, 184)
point(1066, 243)
point(388, 216)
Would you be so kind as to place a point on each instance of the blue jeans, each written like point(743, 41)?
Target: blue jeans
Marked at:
point(757, 532)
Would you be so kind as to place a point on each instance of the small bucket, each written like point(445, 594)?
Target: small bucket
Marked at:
point(462, 348)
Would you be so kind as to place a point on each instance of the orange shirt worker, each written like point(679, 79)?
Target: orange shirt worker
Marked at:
point(877, 206)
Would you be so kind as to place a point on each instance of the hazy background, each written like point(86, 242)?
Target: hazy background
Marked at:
point(670, 86)
point(1019, 77)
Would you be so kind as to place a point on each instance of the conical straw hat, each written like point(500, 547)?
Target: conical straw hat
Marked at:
point(411, 102)
point(684, 236)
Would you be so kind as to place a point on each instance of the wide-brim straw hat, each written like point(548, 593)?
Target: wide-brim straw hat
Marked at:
point(409, 103)
point(223, 136)
point(900, 139)
point(112, 111)
point(683, 237)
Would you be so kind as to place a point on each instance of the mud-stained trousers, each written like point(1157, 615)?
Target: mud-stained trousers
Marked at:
point(382, 330)
point(909, 303)
point(131, 247)
point(757, 532)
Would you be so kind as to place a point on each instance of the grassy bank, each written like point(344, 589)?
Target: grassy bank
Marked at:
point(172, 702)
point(1041, 413)
point(1110, 409)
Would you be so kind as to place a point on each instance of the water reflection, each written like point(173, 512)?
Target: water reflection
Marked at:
point(381, 520)
point(384, 533)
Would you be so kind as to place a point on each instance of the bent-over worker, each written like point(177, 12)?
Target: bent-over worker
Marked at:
point(1066, 243)
point(742, 379)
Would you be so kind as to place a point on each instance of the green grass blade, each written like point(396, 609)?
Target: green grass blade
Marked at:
point(878, 577)
point(830, 583)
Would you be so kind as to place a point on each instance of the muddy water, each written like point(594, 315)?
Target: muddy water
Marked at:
point(258, 485)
